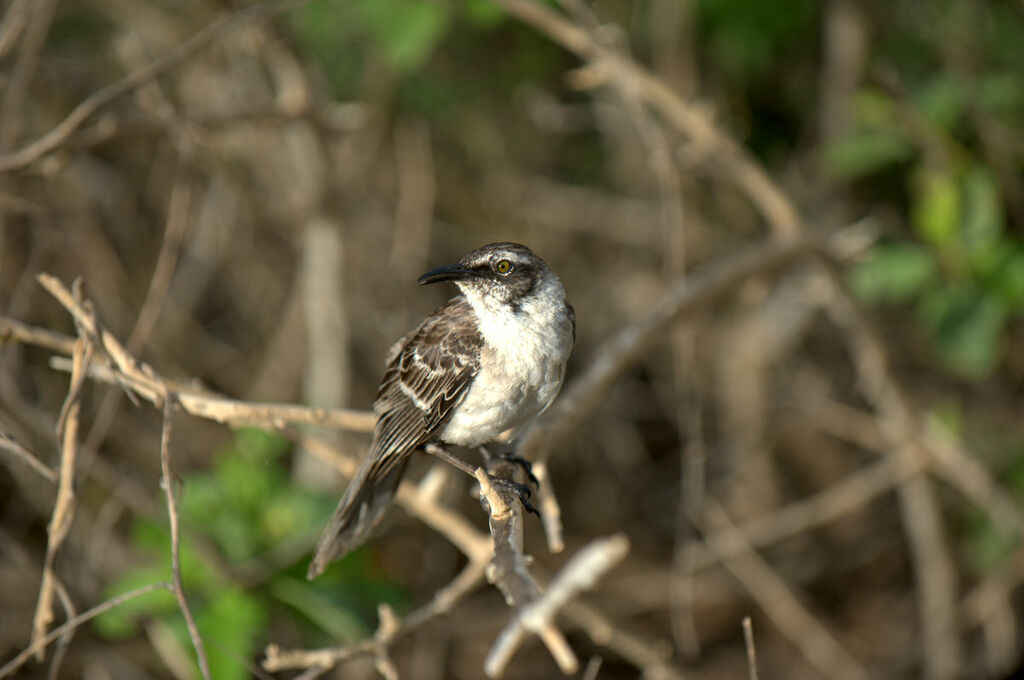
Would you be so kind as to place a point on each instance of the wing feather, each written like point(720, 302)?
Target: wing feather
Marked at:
point(429, 373)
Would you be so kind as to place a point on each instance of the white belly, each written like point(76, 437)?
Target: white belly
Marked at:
point(521, 371)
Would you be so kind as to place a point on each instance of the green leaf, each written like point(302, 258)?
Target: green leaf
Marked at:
point(259, 445)
point(865, 152)
point(405, 30)
point(1002, 93)
point(943, 101)
point(231, 624)
point(983, 212)
point(1005, 274)
point(966, 326)
point(484, 14)
point(893, 273)
point(874, 109)
point(340, 622)
point(935, 212)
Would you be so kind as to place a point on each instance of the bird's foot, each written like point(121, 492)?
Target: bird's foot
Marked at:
point(526, 466)
point(505, 463)
point(521, 491)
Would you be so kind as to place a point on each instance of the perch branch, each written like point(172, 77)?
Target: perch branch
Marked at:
point(508, 569)
point(582, 571)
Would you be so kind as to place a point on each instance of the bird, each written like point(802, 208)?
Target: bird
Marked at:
point(489, 360)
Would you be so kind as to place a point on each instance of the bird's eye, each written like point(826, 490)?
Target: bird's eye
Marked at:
point(503, 267)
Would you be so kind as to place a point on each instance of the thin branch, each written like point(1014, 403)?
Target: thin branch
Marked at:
point(64, 506)
point(550, 511)
point(781, 604)
point(581, 573)
point(167, 481)
point(748, 643)
point(845, 496)
point(105, 95)
point(236, 412)
point(9, 443)
point(37, 645)
point(654, 659)
point(16, 331)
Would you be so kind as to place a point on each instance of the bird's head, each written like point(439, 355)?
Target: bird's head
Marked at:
point(501, 272)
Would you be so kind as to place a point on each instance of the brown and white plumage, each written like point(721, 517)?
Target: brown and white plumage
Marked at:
point(484, 362)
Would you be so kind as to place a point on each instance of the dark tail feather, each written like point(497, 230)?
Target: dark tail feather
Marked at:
point(360, 510)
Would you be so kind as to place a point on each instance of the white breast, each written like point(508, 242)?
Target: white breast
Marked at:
point(522, 365)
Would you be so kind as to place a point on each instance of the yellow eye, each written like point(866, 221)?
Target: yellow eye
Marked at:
point(503, 267)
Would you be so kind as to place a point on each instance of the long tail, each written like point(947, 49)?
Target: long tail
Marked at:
point(360, 510)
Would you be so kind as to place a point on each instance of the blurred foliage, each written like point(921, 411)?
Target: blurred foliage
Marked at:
point(959, 266)
point(238, 514)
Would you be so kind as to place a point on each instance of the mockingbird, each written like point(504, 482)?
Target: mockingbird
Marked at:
point(486, 361)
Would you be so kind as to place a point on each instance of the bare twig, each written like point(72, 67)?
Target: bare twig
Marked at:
point(550, 511)
point(64, 506)
point(236, 412)
point(167, 481)
point(53, 672)
point(845, 496)
point(12, 106)
point(100, 98)
point(14, 21)
point(654, 659)
point(782, 605)
point(86, 616)
point(748, 643)
point(9, 443)
point(582, 571)
point(11, 330)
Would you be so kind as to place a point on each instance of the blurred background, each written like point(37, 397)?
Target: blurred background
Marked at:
point(253, 218)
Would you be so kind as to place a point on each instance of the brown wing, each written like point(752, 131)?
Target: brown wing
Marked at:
point(428, 374)
point(427, 378)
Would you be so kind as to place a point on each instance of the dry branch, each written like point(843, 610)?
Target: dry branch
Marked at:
point(64, 506)
point(9, 443)
point(167, 482)
point(582, 571)
point(783, 607)
point(56, 137)
point(37, 645)
point(508, 569)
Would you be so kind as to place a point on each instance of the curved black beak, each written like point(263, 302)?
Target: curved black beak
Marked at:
point(449, 272)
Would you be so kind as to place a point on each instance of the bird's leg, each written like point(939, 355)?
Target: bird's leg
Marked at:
point(447, 456)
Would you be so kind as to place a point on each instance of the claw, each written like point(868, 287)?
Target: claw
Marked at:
point(521, 491)
point(526, 465)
